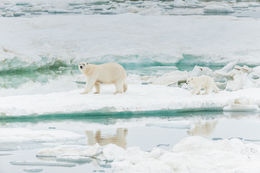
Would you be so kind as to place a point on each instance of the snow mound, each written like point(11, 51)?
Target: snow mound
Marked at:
point(192, 153)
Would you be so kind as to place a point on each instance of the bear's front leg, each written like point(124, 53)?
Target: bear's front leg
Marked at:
point(89, 86)
point(196, 91)
point(207, 91)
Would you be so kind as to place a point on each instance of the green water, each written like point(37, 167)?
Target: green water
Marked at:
point(101, 117)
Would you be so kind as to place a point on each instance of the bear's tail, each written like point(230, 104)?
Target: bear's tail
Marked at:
point(125, 87)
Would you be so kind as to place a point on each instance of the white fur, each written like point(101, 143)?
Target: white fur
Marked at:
point(202, 82)
point(109, 73)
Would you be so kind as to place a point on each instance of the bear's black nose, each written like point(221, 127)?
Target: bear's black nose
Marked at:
point(81, 67)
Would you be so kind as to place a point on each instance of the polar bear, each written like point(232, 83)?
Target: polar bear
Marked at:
point(109, 73)
point(202, 82)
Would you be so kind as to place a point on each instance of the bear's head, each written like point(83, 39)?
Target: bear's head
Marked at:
point(83, 66)
point(189, 80)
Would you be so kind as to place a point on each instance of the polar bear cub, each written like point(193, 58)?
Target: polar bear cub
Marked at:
point(202, 82)
point(109, 73)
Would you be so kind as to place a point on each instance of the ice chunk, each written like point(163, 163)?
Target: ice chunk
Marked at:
point(5, 154)
point(172, 78)
point(34, 163)
point(112, 152)
point(186, 4)
point(256, 70)
point(240, 80)
point(241, 5)
point(227, 68)
point(74, 159)
point(28, 135)
point(191, 153)
point(177, 125)
point(33, 170)
point(241, 108)
point(218, 8)
point(66, 151)
point(242, 104)
point(254, 4)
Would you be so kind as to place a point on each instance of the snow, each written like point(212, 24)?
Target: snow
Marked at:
point(146, 38)
point(242, 104)
point(242, 108)
point(67, 150)
point(19, 135)
point(191, 153)
point(71, 39)
point(32, 170)
point(137, 98)
point(38, 163)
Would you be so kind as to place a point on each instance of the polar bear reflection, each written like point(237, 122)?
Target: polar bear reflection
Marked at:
point(119, 139)
point(203, 128)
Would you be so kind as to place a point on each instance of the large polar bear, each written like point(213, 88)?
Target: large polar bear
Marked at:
point(109, 73)
point(202, 82)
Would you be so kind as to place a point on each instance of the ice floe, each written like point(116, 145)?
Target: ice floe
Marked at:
point(38, 163)
point(18, 135)
point(33, 170)
point(191, 153)
point(242, 104)
point(67, 150)
point(218, 8)
point(137, 98)
point(141, 43)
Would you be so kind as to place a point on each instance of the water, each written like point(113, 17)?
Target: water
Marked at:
point(144, 131)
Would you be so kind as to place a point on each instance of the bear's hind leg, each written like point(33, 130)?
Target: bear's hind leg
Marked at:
point(207, 91)
point(216, 89)
point(125, 87)
point(97, 86)
point(119, 87)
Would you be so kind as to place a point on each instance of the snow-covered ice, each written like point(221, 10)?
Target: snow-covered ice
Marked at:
point(166, 39)
point(22, 135)
point(137, 98)
point(218, 8)
point(42, 42)
point(191, 153)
